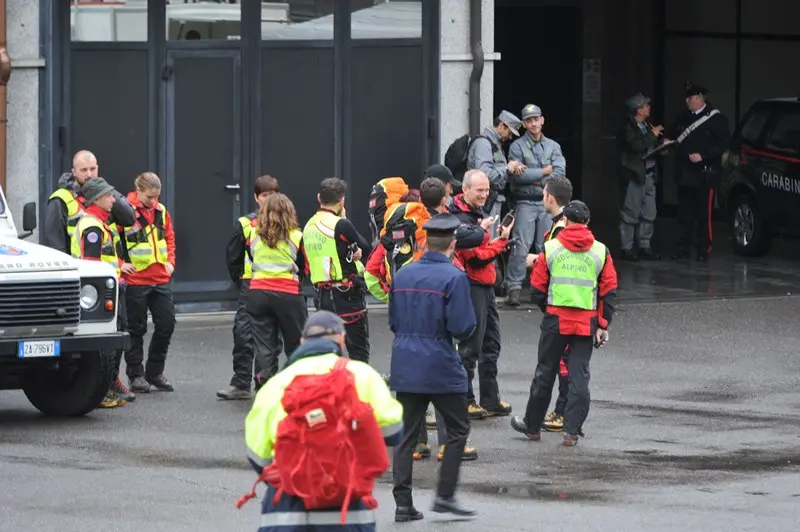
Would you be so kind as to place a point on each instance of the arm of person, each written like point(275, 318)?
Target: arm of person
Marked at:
point(635, 142)
point(720, 138)
point(258, 436)
point(346, 231)
point(459, 314)
point(122, 212)
point(388, 411)
point(235, 254)
point(484, 161)
point(540, 280)
point(606, 292)
point(54, 232)
point(469, 236)
point(558, 161)
point(122, 249)
point(92, 244)
point(169, 236)
point(484, 254)
point(300, 260)
point(375, 275)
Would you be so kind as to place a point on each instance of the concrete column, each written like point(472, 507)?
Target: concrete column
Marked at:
point(456, 65)
point(22, 183)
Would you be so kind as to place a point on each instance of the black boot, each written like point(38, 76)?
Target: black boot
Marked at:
point(513, 298)
point(404, 514)
point(451, 506)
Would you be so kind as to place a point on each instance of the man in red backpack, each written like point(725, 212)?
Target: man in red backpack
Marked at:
point(319, 429)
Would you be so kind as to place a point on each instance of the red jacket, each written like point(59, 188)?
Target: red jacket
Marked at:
point(571, 320)
point(478, 262)
point(155, 273)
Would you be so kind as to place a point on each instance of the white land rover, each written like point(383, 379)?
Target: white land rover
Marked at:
point(58, 322)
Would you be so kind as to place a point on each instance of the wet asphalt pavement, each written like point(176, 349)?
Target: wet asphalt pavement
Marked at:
point(695, 425)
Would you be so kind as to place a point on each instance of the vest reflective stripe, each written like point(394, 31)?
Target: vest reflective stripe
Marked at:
point(573, 275)
point(319, 243)
point(108, 251)
point(278, 262)
point(247, 225)
point(324, 518)
point(74, 208)
point(146, 242)
point(561, 223)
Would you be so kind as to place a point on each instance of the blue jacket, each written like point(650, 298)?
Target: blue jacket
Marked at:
point(429, 306)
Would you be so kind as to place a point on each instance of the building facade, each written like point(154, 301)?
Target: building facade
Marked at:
point(211, 94)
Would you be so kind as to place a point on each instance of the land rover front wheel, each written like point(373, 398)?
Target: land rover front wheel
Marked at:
point(750, 235)
point(75, 388)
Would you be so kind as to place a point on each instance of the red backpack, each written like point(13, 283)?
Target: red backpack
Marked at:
point(330, 449)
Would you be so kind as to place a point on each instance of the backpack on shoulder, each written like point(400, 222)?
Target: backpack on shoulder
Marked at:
point(455, 158)
point(329, 450)
point(384, 195)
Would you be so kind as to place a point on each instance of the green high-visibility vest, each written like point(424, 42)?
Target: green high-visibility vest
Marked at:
point(74, 209)
point(573, 275)
point(146, 242)
point(108, 252)
point(319, 243)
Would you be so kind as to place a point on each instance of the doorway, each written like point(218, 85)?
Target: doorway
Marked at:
point(203, 165)
point(541, 50)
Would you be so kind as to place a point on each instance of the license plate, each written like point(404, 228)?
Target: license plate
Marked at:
point(39, 349)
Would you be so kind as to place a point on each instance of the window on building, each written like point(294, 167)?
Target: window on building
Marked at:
point(107, 21)
point(786, 135)
point(297, 20)
point(386, 19)
point(196, 20)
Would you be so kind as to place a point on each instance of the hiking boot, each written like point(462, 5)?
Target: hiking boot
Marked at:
point(139, 385)
point(450, 506)
point(502, 409)
point(234, 393)
point(519, 424)
point(553, 422)
point(161, 383)
point(470, 454)
point(430, 420)
point(404, 514)
point(422, 451)
point(648, 254)
point(476, 412)
point(122, 391)
point(570, 440)
point(513, 298)
point(111, 400)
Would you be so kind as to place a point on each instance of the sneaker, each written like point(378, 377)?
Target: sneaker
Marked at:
point(139, 385)
point(234, 393)
point(111, 400)
point(122, 391)
point(476, 412)
point(161, 383)
point(502, 409)
point(422, 451)
point(570, 440)
point(470, 454)
point(629, 255)
point(513, 298)
point(519, 424)
point(553, 422)
point(430, 420)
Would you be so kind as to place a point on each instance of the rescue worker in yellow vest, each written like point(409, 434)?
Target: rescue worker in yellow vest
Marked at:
point(333, 248)
point(276, 306)
point(240, 267)
point(94, 239)
point(66, 205)
point(574, 283)
point(149, 262)
point(323, 343)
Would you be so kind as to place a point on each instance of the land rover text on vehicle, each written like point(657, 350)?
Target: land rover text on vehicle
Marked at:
point(760, 189)
point(58, 322)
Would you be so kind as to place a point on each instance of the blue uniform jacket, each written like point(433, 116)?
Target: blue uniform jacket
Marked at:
point(429, 306)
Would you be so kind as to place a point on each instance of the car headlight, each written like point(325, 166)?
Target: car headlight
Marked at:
point(89, 297)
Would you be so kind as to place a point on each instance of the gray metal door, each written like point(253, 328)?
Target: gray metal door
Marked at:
point(203, 156)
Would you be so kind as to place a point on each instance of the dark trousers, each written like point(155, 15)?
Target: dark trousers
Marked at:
point(158, 300)
point(351, 305)
point(563, 388)
point(454, 414)
point(695, 205)
point(273, 315)
point(551, 349)
point(243, 343)
point(122, 325)
point(483, 347)
point(441, 430)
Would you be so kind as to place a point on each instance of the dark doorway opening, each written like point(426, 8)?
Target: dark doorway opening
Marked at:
point(541, 51)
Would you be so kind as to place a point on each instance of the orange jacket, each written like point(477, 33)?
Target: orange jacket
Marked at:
point(155, 273)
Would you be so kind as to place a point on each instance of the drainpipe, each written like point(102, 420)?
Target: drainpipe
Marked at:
point(476, 45)
point(5, 74)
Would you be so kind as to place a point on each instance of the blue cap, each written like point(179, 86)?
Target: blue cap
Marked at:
point(531, 111)
point(443, 223)
point(511, 121)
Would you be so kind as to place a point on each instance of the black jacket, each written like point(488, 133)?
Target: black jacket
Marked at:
point(54, 233)
point(235, 252)
point(710, 140)
point(632, 144)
